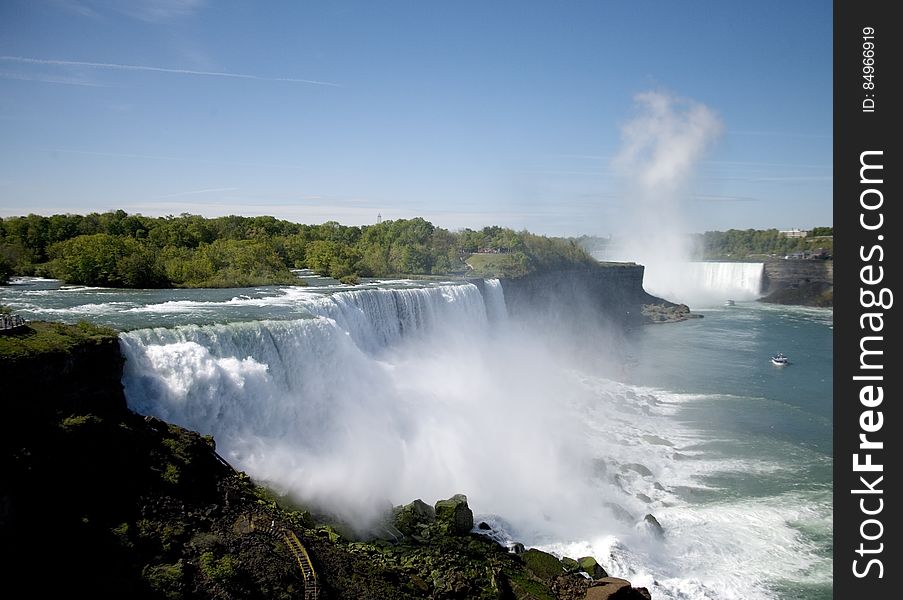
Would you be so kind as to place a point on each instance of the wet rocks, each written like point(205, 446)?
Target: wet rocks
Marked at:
point(453, 515)
point(409, 518)
point(614, 588)
point(543, 565)
point(667, 313)
point(591, 567)
point(654, 526)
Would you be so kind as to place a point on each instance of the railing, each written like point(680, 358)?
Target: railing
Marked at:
point(275, 530)
point(11, 322)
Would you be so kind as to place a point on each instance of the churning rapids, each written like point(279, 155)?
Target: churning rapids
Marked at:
point(355, 399)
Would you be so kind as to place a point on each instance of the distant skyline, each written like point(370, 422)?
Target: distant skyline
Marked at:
point(468, 113)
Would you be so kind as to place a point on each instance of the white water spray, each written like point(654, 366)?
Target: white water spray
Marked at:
point(661, 147)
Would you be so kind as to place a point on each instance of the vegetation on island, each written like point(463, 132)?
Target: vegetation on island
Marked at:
point(117, 249)
point(117, 505)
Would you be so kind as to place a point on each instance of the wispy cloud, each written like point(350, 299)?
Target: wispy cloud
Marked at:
point(159, 10)
point(50, 79)
point(76, 7)
point(151, 69)
point(781, 134)
point(826, 178)
point(195, 192)
point(150, 11)
point(171, 158)
point(586, 156)
point(725, 198)
point(746, 163)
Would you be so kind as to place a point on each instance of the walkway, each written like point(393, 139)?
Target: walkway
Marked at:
point(278, 532)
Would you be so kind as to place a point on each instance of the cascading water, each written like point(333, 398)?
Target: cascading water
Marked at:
point(494, 298)
point(739, 280)
point(705, 283)
point(366, 400)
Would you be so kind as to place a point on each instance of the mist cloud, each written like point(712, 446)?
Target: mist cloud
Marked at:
point(661, 147)
point(666, 139)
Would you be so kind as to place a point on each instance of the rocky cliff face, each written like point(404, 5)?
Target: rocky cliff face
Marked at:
point(799, 281)
point(613, 294)
point(83, 378)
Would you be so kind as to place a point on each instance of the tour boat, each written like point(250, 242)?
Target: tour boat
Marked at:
point(729, 303)
point(780, 360)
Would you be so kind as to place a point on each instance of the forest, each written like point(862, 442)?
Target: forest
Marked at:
point(117, 249)
point(739, 244)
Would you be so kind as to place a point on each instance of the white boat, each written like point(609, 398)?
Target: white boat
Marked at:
point(779, 360)
point(729, 303)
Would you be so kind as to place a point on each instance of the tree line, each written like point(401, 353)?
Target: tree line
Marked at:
point(118, 249)
point(737, 244)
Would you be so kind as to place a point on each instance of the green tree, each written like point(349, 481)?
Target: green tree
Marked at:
point(105, 260)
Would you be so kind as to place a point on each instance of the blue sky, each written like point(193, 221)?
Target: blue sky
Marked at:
point(466, 113)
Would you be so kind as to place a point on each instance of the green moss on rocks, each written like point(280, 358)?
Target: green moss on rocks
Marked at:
point(411, 519)
point(453, 515)
point(542, 564)
point(40, 337)
point(590, 566)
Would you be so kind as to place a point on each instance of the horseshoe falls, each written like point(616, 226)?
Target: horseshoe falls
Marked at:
point(707, 282)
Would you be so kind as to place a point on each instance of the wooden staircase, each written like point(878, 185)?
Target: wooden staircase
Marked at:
point(278, 532)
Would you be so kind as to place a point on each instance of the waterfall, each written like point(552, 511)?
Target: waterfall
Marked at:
point(195, 375)
point(738, 280)
point(379, 318)
point(495, 301)
point(705, 283)
point(369, 395)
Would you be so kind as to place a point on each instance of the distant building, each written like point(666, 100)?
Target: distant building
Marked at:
point(794, 233)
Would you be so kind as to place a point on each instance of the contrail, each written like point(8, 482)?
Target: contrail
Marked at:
point(19, 77)
point(121, 67)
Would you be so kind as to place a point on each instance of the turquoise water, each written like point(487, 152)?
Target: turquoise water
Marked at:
point(746, 409)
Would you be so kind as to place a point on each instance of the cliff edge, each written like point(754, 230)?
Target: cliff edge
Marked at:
point(604, 293)
point(807, 282)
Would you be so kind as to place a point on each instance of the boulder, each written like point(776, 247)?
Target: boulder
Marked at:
point(570, 565)
point(409, 518)
point(642, 470)
point(613, 588)
point(654, 526)
point(590, 566)
point(454, 516)
point(543, 565)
